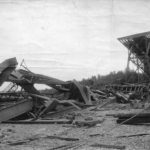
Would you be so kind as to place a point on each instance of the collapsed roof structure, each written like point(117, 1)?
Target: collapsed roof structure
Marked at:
point(29, 99)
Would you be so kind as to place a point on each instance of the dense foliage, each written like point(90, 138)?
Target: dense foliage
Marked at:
point(120, 77)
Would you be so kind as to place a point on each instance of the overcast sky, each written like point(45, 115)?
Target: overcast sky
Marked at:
point(70, 39)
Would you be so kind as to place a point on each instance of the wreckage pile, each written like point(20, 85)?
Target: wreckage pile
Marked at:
point(32, 104)
point(130, 93)
point(64, 103)
point(21, 102)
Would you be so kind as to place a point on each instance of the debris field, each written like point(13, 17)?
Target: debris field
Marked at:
point(70, 115)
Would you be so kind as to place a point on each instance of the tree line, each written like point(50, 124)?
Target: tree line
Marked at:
point(120, 77)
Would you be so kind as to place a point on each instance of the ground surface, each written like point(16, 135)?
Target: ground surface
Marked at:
point(108, 131)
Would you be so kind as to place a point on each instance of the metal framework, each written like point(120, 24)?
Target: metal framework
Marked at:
point(138, 46)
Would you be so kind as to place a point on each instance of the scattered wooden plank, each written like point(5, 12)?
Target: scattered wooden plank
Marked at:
point(23, 141)
point(62, 138)
point(133, 121)
point(59, 121)
point(128, 115)
point(52, 114)
point(97, 134)
point(143, 124)
point(67, 146)
point(15, 110)
point(69, 125)
point(99, 92)
point(18, 143)
point(37, 137)
point(121, 97)
point(110, 100)
point(108, 146)
point(88, 123)
point(62, 146)
point(133, 135)
point(57, 102)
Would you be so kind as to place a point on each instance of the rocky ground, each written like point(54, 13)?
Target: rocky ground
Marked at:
point(36, 136)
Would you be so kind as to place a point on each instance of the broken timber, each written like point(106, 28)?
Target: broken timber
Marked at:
point(78, 95)
point(6, 67)
point(15, 110)
point(108, 146)
point(54, 103)
point(58, 121)
point(80, 91)
point(36, 137)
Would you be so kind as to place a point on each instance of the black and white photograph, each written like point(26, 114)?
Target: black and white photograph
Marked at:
point(74, 75)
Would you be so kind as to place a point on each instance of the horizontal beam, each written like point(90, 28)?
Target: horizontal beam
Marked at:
point(15, 110)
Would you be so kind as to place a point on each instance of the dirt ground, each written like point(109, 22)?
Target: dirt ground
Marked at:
point(107, 133)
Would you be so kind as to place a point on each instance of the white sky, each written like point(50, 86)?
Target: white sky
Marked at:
point(70, 39)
